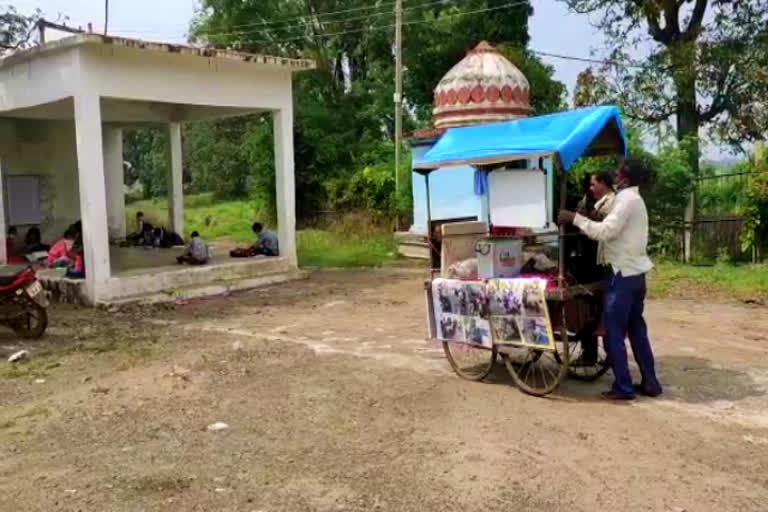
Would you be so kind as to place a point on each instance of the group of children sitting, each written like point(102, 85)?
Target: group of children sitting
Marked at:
point(67, 252)
point(198, 252)
point(149, 236)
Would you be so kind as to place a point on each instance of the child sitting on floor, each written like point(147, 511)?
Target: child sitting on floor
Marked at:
point(58, 256)
point(266, 244)
point(197, 252)
point(76, 269)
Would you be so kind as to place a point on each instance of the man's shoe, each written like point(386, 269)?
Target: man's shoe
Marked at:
point(641, 390)
point(614, 396)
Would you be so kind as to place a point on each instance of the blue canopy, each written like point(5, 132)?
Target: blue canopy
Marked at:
point(570, 135)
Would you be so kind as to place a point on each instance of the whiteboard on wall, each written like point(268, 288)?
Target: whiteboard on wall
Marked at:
point(22, 194)
point(518, 198)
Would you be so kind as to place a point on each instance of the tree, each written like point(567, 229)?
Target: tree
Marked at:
point(591, 89)
point(704, 68)
point(15, 29)
point(146, 150)
point(344, 123)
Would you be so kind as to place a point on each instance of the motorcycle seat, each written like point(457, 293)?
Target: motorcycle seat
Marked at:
point(9, 273)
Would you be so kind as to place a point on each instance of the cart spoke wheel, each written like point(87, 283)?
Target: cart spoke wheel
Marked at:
point(537, 372)
point(585, 369)
point(470, 361)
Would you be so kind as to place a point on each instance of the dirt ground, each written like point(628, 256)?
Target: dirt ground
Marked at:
point(334, 402)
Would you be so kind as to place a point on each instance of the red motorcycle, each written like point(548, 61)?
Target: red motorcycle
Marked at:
point(23, 302)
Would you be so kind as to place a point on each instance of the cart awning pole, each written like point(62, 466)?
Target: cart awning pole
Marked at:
point(561, 228)
point(429, 208)
point(429, 224)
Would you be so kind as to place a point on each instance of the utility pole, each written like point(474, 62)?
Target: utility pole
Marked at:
point(398, 101)
point(41, 32)
point(106, 16)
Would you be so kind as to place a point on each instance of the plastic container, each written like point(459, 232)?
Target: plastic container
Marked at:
point(502, 257)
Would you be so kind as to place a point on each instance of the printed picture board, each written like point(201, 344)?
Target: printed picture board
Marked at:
point(498, 311)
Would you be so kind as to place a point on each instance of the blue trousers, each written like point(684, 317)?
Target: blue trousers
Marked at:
point(624, 303)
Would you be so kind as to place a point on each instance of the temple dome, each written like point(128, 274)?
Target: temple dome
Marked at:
point(484, 87)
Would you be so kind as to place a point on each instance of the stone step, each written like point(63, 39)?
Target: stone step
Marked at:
point(207, 290)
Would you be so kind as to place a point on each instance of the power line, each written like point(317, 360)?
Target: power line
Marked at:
point(586, 59)
point(324, 14)
point(311, 20)
point(380, 27)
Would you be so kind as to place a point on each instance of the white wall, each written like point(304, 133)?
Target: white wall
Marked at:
point(45, 79)
point(134, 74)
point(46, 149)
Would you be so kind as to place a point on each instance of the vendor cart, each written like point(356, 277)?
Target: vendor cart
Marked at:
point(573, 295)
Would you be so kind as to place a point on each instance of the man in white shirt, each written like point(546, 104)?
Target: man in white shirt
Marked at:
point(624, 236)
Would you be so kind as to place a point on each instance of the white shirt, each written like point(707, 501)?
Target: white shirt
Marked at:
point(623, 233)
point(602, 208)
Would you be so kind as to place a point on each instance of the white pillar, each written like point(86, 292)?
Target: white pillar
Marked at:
point(175, 180)
point(93, 203)
point(3, 226)
point(285, 186)
point(114, 182)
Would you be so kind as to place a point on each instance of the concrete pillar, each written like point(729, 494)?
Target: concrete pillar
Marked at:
point(93, 203)
point(285, 186)
point(114, 182)
point(3, 225)
point(175, 180)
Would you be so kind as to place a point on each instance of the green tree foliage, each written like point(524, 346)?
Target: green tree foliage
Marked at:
point(755, 231)
point(344, 121)
point(591, 89)
point(666, 195)
point(706, 68)
point(146, 150)
point(15, 29)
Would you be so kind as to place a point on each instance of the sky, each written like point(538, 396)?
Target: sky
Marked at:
point(553, 29)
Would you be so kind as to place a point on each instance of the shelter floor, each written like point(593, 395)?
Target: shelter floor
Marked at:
point(141, 273)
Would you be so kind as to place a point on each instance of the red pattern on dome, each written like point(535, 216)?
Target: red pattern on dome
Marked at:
point(506, 93)
point(478, 94)
point(464, 95)
point(492, 94)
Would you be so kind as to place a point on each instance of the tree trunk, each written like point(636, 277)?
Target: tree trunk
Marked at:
point(688, 134)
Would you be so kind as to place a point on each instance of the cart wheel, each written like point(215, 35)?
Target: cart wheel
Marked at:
point(470, 361)
point(537, 372)
point(586, 370)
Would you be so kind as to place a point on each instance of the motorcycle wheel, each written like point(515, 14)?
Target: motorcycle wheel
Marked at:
point(32, 323)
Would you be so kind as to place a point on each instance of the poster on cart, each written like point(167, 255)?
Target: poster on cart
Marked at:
point(460, 312)
point(518, 312)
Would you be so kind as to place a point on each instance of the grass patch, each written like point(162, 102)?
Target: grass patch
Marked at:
point(353, 242)
point(35, 367)
point(339, 248)
point(213, 220)
point(743, 282)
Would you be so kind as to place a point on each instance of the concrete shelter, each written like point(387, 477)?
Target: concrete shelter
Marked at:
point(62, 109)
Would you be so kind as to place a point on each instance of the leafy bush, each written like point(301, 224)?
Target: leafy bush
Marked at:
point(755, 230)
point(370, 189)
point(666, 196)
